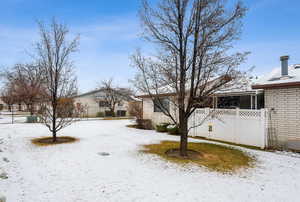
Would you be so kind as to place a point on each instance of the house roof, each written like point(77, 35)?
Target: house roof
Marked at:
point(275, 80)
point(98, 94)
point(88, 93)
point(240, 87)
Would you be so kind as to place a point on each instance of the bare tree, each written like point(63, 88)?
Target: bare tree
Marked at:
point(193, 38)
point(113, 95)
point(53, 55)
point(28, 83)
point(8, 96)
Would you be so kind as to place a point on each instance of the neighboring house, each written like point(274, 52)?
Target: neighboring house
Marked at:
point(239, 95)
point(277, 92)
point(282, 99)
point(93, 103)
point(153, 112)
point(15, 107)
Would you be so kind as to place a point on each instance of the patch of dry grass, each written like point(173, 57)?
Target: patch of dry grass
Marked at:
point(214, 157)
point(48, 141)
point(117, 118)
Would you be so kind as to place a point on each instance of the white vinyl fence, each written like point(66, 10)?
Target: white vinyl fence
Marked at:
point(248, 127)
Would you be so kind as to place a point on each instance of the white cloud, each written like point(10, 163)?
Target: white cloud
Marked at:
point(15, 42)
point(104, 49)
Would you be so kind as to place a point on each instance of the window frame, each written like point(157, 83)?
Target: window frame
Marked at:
point(103, 103)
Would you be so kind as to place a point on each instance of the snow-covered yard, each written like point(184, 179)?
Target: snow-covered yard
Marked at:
point(76, 172)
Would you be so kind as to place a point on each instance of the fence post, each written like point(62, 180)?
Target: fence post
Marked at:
point(236, 125)
point(194, 122)
point(263, 121)
point(206, 113)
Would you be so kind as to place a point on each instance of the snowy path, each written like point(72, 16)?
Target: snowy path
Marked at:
point(75, 172)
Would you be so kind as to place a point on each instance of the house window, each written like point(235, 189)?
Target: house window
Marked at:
point(161, 104)
point(103, 104)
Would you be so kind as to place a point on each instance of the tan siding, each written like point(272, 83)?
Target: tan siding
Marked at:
point(157, 117)
point(93, 106)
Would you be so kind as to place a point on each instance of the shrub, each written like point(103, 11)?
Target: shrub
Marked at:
point(65, 107)
point(144, 124)
point(110, 114)
point(1, 107)
point(162, 127)
point(173, 130)
point(100, 114)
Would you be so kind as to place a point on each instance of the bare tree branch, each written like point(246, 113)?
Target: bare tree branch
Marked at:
point(193, 38)
point(53, 57)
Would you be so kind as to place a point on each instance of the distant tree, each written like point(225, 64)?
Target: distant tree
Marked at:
point(193, 39)
point(53, 53)
point(28, 83)
point(113, 95)
point(8, 96)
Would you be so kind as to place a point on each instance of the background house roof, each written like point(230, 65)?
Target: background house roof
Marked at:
point(100, 93)
point(241, 86)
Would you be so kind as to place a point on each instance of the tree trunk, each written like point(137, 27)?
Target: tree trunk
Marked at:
point(183, 128)
point(112, 111)
point(31, 109)
point(54, 122)
point(54, 135)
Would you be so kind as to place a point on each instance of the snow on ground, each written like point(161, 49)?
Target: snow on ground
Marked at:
point(76, 172)
point(6, 118)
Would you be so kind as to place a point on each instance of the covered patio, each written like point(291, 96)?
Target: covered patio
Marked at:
point(252, 99)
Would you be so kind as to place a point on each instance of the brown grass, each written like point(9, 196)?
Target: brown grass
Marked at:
point(48, 141)
point(116, 118)
point(214, 157)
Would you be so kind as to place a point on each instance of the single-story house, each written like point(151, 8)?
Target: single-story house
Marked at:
point(282, 99)
point(239, 95)
point(277, 92)
point(93, 102)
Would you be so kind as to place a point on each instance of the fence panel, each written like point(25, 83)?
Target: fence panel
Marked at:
point(232, 125)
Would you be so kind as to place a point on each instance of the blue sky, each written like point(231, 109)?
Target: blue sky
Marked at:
point(110, 33)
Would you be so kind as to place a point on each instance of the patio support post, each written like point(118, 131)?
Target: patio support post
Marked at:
point(255, 101)
point(264, 127)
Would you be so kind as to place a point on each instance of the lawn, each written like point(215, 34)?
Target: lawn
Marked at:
point(212, 156)
point(80, 171)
